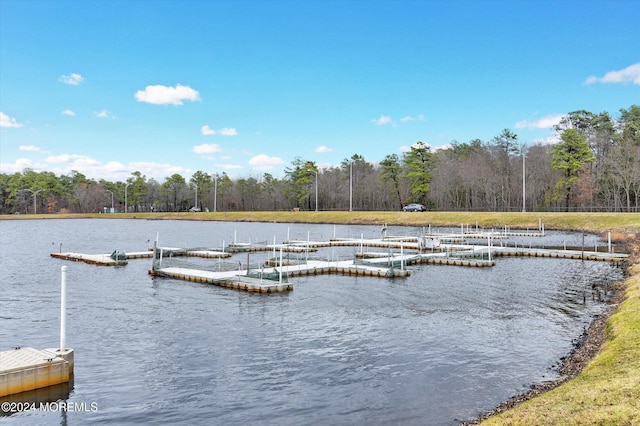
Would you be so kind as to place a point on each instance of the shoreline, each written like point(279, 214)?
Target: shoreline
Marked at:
point(584, 350)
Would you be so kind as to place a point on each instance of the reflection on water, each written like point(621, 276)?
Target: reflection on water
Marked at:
point(444, 344)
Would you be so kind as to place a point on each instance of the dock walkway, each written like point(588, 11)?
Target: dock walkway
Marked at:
point(229, 279)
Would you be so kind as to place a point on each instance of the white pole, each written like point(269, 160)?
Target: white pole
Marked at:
point(126, 209)
point(524, 190)
point(351, 186)
point(609, 242)
point(489, 247)
point(274, 246)
point(63, 310)
point(401, 257)
point(280, 265)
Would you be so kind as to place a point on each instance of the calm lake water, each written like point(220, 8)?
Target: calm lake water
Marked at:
point(438, 347)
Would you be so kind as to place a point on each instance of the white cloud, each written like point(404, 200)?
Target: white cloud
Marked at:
point(631, 74)
point(31, 148)
point(384, 119)
point(164, 95)
point(263, 162)
point(546, 122)
point(102, 114)
point(207, 131)
point(205, 148)
point(405, 148)
point(419, 117)
point(80, 160)
point(226, 131)
point(69, 113)
point(18, 166)
point(73, 79)
point(322, 149)
point(421, 145)
point(443, 147)
point(63, 164)
point(227, 166)
point(6, 121)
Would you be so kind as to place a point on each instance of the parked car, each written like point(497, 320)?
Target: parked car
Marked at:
point(194, 209)
point(414, 207)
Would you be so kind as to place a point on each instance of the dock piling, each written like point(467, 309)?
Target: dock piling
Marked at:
point(63, 310)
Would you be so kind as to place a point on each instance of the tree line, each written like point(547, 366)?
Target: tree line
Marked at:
point(594, 166)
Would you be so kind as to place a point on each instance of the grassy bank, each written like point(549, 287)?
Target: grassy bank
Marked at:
point(566, 221)
point(607, 392)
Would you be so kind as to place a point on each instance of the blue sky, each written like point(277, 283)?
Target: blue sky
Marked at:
point(244, 87)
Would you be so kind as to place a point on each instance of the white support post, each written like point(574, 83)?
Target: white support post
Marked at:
point(63, 310)
point(281, 265)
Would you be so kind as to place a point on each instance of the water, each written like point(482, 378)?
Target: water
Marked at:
point(438, 347)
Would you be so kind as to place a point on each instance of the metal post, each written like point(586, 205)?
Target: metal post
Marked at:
point(316, 173)
point(351, 186)
point(281, 265)
point(35, 193)
point(126, 210)
point(524, 191)
point(215, 194)
point(63, 310)
point(111, 200)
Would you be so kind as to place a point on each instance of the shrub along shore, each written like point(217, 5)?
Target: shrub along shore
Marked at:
point(599, 383)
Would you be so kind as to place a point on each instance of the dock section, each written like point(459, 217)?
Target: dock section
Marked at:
point(94, 259)
point(228, 279)
point(121, 259)
point(25, 369)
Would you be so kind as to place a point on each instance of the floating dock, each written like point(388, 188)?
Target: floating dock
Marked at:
point(25, 369)
point(94, 259)
point(108, 260)
point(229, 279)
point(560, 254)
